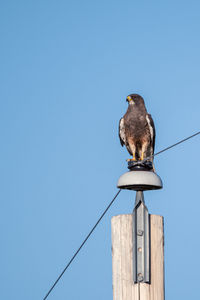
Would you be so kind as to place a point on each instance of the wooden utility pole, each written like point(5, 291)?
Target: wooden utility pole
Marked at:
point(124, 287)
point(138, 241)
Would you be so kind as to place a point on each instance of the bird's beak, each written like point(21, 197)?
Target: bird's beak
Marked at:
point(130, 100)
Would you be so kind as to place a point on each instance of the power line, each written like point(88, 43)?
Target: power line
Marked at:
point(167, 148)
point(85, 240)
point(73, 257)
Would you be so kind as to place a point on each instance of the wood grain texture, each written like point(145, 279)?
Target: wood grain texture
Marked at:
point(122, 260)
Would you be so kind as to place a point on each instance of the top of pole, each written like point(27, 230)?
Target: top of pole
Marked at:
point(140, 177)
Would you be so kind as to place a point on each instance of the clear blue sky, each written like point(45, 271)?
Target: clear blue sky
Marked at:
point(66, 69)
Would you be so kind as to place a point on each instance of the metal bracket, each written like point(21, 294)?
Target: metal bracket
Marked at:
point(141, 241)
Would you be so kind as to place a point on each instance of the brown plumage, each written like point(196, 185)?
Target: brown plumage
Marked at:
point(136, 129)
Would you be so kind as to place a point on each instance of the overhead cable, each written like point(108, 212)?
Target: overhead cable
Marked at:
point(85, 240)
point(169, 147)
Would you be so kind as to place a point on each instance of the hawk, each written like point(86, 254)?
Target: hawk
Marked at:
point(136, 129)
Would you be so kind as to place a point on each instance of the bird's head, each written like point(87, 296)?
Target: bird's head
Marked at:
point(135, 99)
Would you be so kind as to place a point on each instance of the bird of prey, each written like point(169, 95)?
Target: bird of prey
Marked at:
point(136, 129)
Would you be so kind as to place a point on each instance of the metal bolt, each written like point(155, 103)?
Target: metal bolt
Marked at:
point(140, 232)
point(140, 277)
point(140, 249)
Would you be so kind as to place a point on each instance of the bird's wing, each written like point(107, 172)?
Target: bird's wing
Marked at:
point(152, 129)
point(122, 135)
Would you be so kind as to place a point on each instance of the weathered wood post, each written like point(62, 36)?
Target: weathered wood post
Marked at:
point(138, 242)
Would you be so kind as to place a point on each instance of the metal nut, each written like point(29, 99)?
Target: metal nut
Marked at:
point(140, 232)
point(140, 277)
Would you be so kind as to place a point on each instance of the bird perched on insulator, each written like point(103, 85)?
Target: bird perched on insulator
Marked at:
point(137, 130)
